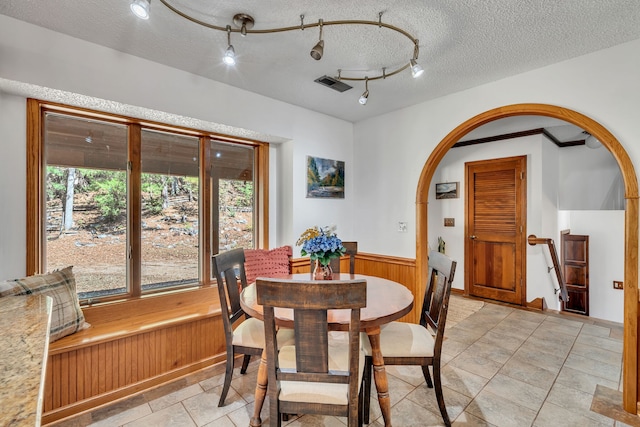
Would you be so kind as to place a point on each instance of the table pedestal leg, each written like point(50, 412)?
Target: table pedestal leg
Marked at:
point(261, 391)
point(380, 375)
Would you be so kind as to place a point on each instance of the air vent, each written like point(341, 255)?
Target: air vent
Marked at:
point(333, 83)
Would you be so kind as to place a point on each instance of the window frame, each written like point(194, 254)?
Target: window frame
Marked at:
point(36, 194)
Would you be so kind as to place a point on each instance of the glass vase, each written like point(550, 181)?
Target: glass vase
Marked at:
point(322, 272)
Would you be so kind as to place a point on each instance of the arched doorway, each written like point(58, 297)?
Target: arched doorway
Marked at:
point(630, 350)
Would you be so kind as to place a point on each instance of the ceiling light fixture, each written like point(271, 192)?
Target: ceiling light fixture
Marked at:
point(416, 69)
point(365, 95)
point(316, 52)
point(591, 141)
point(245, 24)
point(140, 8)
point(229, 57)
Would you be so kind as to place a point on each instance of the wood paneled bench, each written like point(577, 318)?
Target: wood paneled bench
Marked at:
point(130, 347)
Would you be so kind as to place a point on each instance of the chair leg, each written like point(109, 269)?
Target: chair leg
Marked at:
point(366, 389)
point(440, 396)
point(354, 415)
point(427, 376)
point(245, 363)
point(275, 417)
point(227, 377)
point(360, 404)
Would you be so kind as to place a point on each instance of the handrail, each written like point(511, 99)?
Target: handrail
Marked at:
point(533, 240)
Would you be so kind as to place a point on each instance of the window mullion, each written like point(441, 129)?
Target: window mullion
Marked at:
point(205, 210)
point(134, 212)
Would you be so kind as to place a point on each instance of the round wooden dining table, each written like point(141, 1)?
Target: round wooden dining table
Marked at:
point(386, 301)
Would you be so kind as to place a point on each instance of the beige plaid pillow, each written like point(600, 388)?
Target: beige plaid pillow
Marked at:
point(66, 316)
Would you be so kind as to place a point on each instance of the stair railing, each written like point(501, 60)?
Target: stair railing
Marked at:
point(533, 240)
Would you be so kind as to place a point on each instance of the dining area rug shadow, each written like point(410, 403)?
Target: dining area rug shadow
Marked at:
point(460, 308)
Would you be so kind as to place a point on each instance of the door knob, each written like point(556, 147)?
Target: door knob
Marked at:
point(472, 237)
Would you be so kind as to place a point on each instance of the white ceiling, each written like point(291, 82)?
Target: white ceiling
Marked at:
point(463, 43)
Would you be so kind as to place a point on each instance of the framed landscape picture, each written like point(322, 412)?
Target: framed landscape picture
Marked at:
point(447, 190)
point(325, 178)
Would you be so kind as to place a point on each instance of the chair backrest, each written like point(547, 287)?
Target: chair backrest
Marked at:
point(228, 268)
point(310, 301)
point(351, 249)
point(436, 297)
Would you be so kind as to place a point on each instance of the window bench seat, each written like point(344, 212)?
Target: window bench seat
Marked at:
point(130, 347)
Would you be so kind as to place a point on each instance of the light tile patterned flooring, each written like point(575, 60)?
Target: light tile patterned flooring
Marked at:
point(502, 367)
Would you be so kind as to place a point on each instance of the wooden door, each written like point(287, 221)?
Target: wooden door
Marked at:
point(575, 264)
point(495, 244)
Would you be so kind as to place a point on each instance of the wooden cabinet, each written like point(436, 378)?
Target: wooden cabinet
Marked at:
point(575, 265)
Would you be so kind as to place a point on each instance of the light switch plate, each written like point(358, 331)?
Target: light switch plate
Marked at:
point(617, 284)
point(449, 222)
point(402, 227)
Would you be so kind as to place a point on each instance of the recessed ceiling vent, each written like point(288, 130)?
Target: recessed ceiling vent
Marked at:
point(333, 83)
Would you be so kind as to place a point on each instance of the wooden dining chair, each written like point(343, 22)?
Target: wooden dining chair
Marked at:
point(322, 373)
point(248, 337)
point(351, 249)
point(411, 344)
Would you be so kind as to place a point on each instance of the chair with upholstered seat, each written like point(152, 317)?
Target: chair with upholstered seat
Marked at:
point(411, 344)
point(351, 249)
point(248, 337)
point(322, 373)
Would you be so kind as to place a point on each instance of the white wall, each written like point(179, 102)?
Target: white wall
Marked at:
point(43, 64)
point(12, 191)
point(590, 179)
point(605, 229)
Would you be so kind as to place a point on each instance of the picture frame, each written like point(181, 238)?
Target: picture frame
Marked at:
point(325, 178)
point(447, 190)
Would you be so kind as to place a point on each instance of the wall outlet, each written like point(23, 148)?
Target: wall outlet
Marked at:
point(617, 284)
point(402, 227)
point(449, 222)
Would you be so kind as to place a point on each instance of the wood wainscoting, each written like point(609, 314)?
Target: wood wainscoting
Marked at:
point(131, 347)
point(401, 270)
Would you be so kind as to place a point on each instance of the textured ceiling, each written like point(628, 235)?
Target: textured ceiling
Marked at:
point(462, 43)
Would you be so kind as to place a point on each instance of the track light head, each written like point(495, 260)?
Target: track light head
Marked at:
point(365, 95)
point(229, 57)
point(316, 52)
point(364, 98)
point(140, 8)
point(416, 69)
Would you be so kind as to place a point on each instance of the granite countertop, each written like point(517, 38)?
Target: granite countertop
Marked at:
point(24, 342)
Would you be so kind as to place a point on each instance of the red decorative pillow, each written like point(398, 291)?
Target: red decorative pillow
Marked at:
point(267, 263)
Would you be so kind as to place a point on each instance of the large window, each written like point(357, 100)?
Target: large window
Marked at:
point(137, 207)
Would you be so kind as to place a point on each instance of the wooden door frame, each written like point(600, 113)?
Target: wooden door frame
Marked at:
point(630, 344)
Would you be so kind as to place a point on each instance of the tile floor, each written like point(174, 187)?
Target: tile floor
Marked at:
point(503, 367)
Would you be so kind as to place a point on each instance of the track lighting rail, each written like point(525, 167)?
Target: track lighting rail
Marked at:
point(247, 29)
